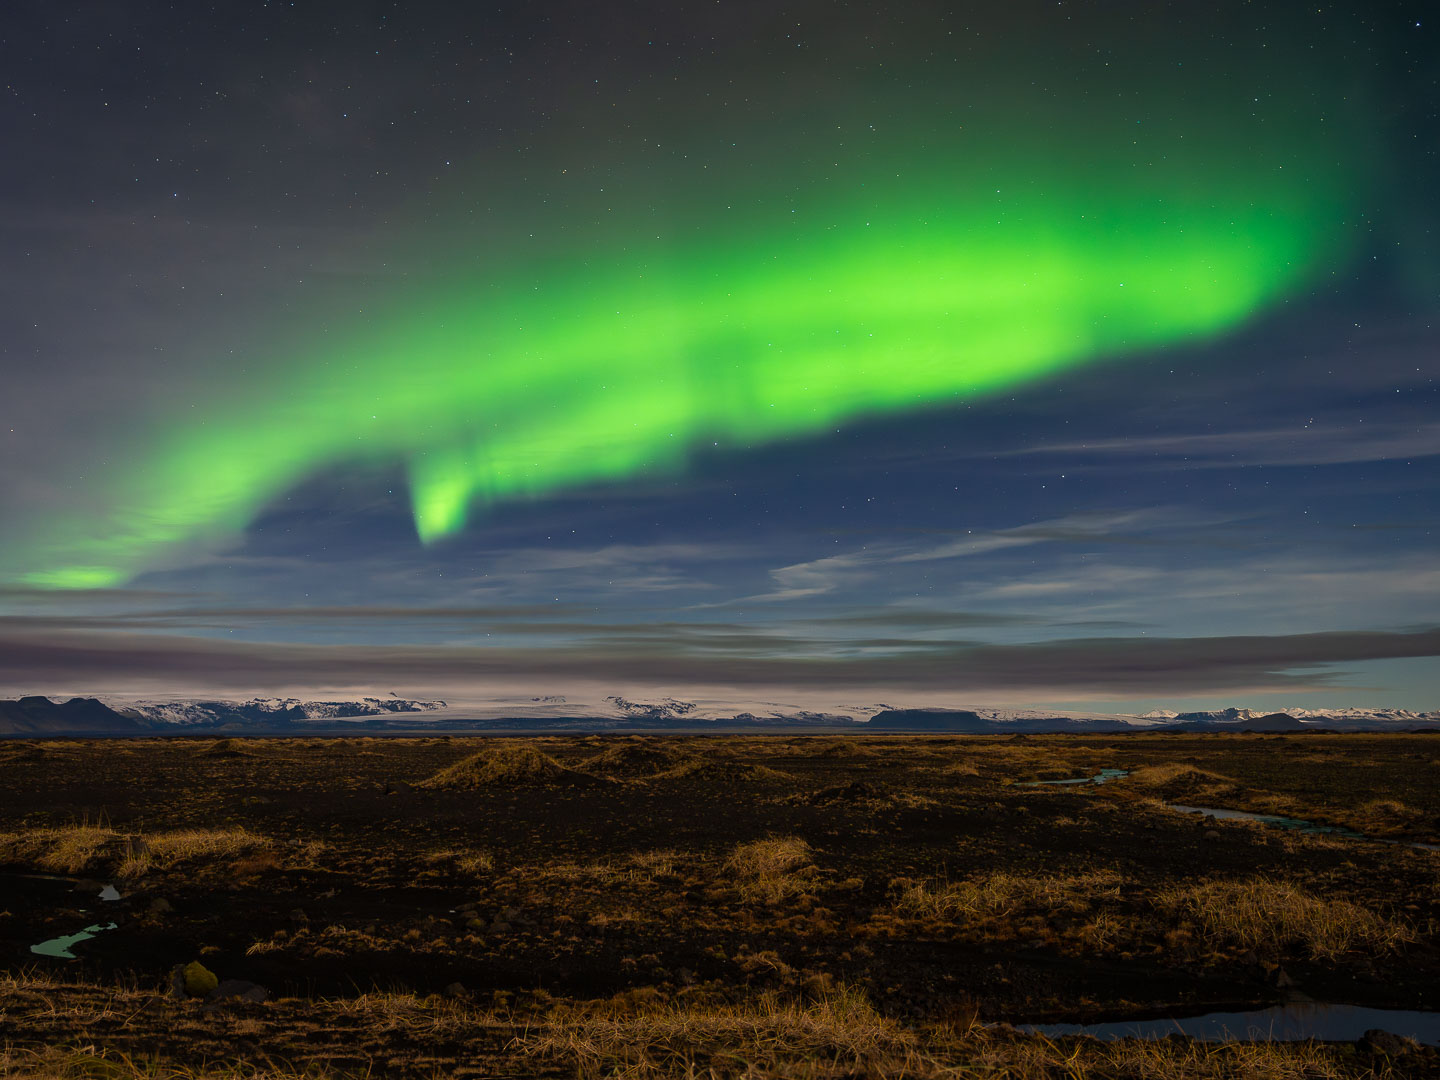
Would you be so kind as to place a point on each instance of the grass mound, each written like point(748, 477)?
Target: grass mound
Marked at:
point(226, 748)
point(1266, 914)
point(1001, 894)
point(632, 759)
point(845, 749)
point(707, 769)
point(71, 849)
point(773, 869)
point(1179, 782)
point(507, 766)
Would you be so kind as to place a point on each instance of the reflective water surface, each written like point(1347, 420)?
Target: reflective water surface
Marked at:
point(1281, 1023)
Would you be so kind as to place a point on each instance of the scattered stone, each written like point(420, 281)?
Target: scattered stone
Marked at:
point(238, 990)
point(199, 980)
point(851, 792)
point(1378, 1041)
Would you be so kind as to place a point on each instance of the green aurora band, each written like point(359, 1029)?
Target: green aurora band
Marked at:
point(612, 358)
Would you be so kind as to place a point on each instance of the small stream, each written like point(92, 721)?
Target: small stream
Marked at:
point(1103, 776)
point(59, 947)
point(1281, 1023)
point(1275, 820)
point(1296, 825)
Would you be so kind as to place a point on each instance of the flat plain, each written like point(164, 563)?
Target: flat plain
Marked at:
point(808, 906)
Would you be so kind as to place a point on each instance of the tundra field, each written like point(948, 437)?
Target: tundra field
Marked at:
point(701, 906)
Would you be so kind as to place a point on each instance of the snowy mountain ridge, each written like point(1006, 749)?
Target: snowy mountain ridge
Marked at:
point(265, 710)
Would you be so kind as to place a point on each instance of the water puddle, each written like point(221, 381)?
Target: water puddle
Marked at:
point(1294, 824)
point(1275, 820)
point(1282, 1023)
point(1101, 777)
point(60, 947)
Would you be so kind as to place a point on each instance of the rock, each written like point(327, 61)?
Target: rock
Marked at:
point(298, 915)
point(238, 990)
point(475, 924)
point(160, 906)
point(1281, 978)
point(1378, 1041)
point(456, 990)
point(499, 926)
point(199, 980)
point(1210, 834)
point(177, 981)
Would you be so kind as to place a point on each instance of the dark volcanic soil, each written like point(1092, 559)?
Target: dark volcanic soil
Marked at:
point(911, 869)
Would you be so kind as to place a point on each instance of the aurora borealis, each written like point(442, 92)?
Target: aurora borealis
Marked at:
point(495, 392)
point(585, 266)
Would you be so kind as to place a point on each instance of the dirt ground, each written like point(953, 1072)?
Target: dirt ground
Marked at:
point(561, 906)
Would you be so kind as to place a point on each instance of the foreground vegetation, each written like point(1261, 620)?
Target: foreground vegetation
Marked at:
point(763, 907)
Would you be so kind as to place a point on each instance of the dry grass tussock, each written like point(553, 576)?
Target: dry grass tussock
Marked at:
point(463, 860)
point(1388, 817)
point(831, 1033)
point(637, 868)
point(710, 769)
point(767, 1036)
point(1167, 1059)
point(90, 1063)
point(62, 849)
point(841, 1035)
point(773, 869)
point(1009, 761)
point(1176, 780)
point(1000, 894)
point(71, 849)
point(842, 749)
point(507, 766)
point(1265, 914)
point(632, 759)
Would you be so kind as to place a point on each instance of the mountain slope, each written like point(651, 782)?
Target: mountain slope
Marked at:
point(78, 716)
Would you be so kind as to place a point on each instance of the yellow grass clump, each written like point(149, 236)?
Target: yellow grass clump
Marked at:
point(1177, 781)
point(631, 759)
point(1268, 915)
point(773, 869)
point(163, 850)
point(64, 849)
point(706, 769)
point(506, 766)
point(840, 1029)
point(1000, 894)
point(71, 849)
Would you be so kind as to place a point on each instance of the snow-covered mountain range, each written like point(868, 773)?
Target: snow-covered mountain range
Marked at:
point(40, 716)
point(264, 711)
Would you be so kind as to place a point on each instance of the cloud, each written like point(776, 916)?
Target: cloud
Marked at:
point(1329, 443)
point(834, 573)
point(1116, 666)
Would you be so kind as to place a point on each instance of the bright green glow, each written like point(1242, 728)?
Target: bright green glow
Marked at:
point(76, 577)
point(550, 372)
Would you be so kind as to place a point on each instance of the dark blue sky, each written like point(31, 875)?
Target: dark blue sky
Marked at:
point(1244, 519)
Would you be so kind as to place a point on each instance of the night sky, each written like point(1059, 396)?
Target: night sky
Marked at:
point(1071, 355)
